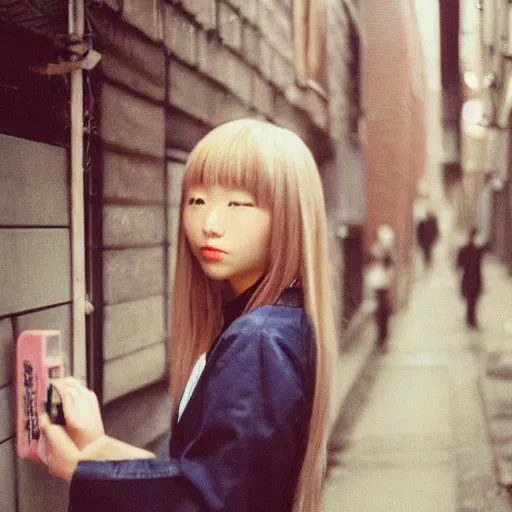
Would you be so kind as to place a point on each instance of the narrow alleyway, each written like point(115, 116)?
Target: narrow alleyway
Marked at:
point(421, 441)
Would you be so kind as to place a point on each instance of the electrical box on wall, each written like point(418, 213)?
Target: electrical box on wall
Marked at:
point(38, 362)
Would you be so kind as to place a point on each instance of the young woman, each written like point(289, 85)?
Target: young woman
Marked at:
point(252, 341)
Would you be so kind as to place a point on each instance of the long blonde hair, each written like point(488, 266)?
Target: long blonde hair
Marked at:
point(279, 170)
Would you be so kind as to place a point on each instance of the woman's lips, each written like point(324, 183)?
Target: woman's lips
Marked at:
point(212, 254)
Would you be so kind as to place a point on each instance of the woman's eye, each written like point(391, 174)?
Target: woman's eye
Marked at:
point(195, 200)
point(239, 203)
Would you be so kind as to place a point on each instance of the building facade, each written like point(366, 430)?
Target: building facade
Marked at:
point(489, 190)
point(393, 86)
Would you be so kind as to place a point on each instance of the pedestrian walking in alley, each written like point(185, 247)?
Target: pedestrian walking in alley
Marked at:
point(427, 234)
point(251, 347)
point(469, 260)
point(379, 280)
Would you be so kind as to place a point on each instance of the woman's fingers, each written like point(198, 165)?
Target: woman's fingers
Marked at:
point(57, 450)
point(69, 387)
point(81, 410)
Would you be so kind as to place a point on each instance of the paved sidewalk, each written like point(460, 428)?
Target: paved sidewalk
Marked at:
point(408, 433)
point(359, 340)
point(494, 344)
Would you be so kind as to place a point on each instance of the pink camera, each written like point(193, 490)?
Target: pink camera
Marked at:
point(38, 362)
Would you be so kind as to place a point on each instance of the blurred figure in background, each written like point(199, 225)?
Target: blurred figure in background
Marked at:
point(427, 234)
point(469, 260)
point(379, 280)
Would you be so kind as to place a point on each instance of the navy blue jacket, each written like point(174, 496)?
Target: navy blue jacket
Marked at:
point(240, 443)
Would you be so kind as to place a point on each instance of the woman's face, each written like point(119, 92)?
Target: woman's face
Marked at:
point(228, 234)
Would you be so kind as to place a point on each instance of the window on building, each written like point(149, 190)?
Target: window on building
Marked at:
point(310, 52)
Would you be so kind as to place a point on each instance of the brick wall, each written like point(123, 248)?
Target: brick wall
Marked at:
point(394, 124)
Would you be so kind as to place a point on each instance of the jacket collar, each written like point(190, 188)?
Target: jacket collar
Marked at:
point(291, 297)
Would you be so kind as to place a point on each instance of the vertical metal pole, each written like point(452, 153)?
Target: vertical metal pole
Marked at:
point(76, 29)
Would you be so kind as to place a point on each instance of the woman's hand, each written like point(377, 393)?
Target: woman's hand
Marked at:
point(81, 410)
point(57, 450)
point(83, 437)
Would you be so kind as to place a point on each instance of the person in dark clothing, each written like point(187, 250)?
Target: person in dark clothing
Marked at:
point(253, 342)
point(379, 280)
point(427, 234)
point(469, 260)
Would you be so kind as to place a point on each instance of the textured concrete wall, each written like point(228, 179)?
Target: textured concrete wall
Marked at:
point(132, 303)
point(35, 279)
point(343, 174)
point(332, 171)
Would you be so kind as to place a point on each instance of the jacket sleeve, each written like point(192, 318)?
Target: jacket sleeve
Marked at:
point(242, 457)
point(131, 486)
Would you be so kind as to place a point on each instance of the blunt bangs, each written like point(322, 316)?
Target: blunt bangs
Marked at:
point(233, 155)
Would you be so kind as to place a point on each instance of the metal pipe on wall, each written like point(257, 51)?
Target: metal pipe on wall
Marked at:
point(76, 24)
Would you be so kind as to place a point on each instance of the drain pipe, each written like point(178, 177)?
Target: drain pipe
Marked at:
point(76, 17)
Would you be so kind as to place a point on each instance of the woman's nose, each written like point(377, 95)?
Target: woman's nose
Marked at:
point(213, 224)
